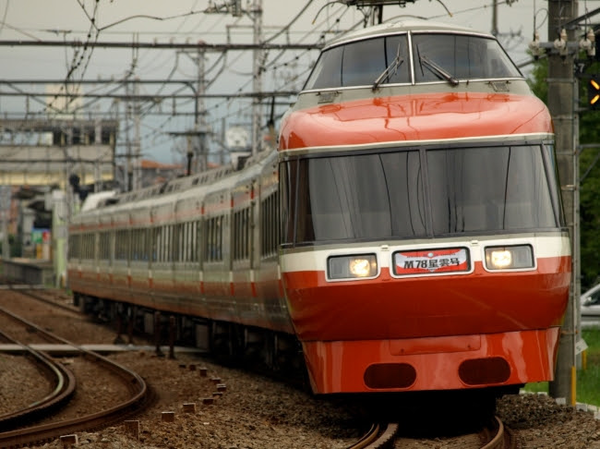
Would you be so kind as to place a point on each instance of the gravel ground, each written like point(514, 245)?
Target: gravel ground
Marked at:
point(12, 370)
point(255, 412)
point(252, 412)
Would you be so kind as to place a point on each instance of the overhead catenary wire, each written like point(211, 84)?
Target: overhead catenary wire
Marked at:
point(277, 59)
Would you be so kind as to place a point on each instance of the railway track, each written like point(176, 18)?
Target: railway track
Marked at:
point(21, 436)
point(63, 382)
point(385, 436)
point(379, 436)
point(38, 292)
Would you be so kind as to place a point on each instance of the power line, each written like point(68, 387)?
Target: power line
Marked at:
point(154, 97)
point(157, 45)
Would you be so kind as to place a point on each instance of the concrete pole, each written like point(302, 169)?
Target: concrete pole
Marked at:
point(137, 143)
point(258, 54)
point(561, 95)
point(200, 115)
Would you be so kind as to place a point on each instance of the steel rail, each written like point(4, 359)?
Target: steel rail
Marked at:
point(64, 387)
point(379, 436)
point(46, 432)
point(502, 439)
point(367, 438)
point(495, 436)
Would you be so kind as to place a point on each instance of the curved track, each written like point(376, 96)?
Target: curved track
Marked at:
point(45, 432)
point(64, 387)
point(379, 436)
point(383, 436)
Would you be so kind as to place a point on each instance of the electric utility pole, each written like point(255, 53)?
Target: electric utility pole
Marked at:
point(562, 95)
point(257, 68)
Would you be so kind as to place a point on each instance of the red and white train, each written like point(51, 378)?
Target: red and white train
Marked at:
point(407, 235)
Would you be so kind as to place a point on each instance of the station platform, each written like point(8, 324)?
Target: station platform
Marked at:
point(28, 271)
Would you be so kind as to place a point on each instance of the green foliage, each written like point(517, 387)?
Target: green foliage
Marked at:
point(537, 79)
point(588, 379)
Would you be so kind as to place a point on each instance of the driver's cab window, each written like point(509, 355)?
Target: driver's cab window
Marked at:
point(364, 62)
point(441, 57)
point(382, 60)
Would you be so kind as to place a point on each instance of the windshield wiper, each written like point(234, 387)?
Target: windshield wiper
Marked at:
point(436, 69)
point(390, 70)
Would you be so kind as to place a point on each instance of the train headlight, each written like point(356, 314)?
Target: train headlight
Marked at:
point(509, 257)
point(352, 267)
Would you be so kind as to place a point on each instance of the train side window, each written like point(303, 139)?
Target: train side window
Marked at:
point(156, 244)
point(269, 225)
point(236, 236)
point(213, 248)
point(147, 235)
point(85, 245)
point(302, 213)
point(164, 243)
point(176, 238)
point(122, 245)
point(104, 246)
point(89, 247)
point(552, 170)
point(184, 242)
point(219, 238)
point(196, 239)
point(161, 244)
point(82, 247)
point(135, 241)
point(206, 241)
point(241, 230)
point(288, 172)
point(74, 246)
point(169, 244)
point(142, 245)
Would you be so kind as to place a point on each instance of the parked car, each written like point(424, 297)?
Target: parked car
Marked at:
point(590, 307)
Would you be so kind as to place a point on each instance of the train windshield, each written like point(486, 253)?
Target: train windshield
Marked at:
point(362, 63)
point(387, 60)
point(460, 57)
point(419, 194)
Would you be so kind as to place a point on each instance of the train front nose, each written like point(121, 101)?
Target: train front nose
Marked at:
point(415, 328)
point(435, 363)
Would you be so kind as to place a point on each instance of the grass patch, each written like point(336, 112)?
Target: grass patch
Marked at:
point(588, 377)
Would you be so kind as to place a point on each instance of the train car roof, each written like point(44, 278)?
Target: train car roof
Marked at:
point(196, 187)
point(403, 25)
point(93, 200)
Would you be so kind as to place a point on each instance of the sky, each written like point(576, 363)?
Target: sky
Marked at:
point(189, 21)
